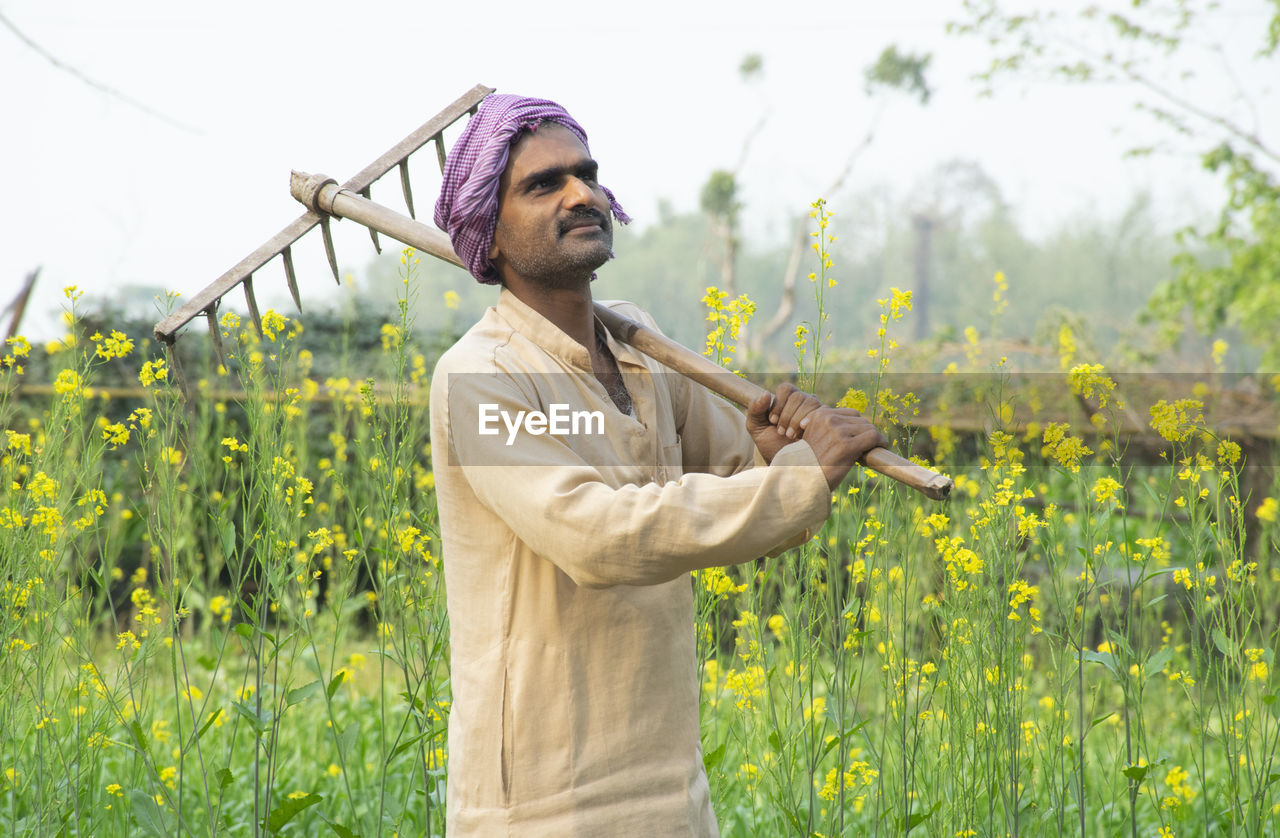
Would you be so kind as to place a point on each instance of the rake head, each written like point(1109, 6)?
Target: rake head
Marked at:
point(208, 299)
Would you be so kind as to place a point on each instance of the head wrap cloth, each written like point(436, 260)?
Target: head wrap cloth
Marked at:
point(467, 208)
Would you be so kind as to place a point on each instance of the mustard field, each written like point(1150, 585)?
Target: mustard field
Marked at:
point(223, 604)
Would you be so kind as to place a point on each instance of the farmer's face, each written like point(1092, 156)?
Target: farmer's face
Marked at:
point(554, 224)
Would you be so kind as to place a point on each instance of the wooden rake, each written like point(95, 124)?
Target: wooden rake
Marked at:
point(324, 198)
point(206, 302)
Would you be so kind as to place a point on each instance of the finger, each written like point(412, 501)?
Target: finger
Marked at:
point(784, 391)
point(867, 440)
point(758, 410)
point(824, 420)
point(787, 411)
point(847, 422)
point(807, 410)
point(861, 428)
point(799, 419)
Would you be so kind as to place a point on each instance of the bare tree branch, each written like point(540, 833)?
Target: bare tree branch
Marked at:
point(96, 85)
point(800, 238)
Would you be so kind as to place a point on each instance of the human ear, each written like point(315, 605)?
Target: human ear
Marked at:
point(495, 249)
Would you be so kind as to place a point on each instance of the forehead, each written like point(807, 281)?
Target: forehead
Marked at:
point(549, 146)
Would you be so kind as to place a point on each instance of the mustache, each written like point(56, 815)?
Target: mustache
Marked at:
point(577, 216)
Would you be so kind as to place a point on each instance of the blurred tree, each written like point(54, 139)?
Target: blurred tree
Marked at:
point(1100, 268)
point(1241, 287)
point(1229, 273)
point(720, 203)
point(958, 194)
point(719, 198)
point(897, 71)
point(893, 71)
point(752, 66)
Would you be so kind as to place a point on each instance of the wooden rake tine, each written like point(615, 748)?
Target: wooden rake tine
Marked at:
point(206, 301)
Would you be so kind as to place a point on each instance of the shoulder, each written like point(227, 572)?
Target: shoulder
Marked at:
point(491, 361)
point(631, 310)
point(478, 350)
point(475, 368)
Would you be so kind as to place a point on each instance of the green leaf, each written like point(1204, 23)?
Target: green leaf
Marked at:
point(286, 811)
point(1120, 641)
point(834, 741)
point(147, 813)
point(301, 694)
point(1157, 600)
point(404, 746)
point(259, 723)
point(413, 700)
point(775, 741)
point(795, 820)
point(1097, 722)
point(340, 830)
point(347, 738)
point(334, 683)
point(245, 631)
point(139, 736)
point(1225, 644)
point(1105, 658)
point(213, 717)
point(96, 578)
point(713, 758)
point(917, 818)
point(224, 778)
point(1137, 773)
point(228, 533)
point(1157, 662)
point(275, 644)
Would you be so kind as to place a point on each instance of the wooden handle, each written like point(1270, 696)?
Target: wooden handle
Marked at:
point(744, 392)
point(322, 194)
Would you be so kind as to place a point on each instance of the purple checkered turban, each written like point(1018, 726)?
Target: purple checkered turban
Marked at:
point(467, 208)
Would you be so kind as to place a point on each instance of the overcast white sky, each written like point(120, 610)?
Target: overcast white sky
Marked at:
point(104, 195)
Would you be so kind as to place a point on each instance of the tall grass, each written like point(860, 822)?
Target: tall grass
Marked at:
point(223, 612)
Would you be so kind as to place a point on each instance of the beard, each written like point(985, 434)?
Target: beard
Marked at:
point(560, 258)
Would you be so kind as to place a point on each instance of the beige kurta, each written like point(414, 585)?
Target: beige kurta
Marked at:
point(567, 560)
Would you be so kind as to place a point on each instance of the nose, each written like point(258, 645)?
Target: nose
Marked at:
point(579, 193)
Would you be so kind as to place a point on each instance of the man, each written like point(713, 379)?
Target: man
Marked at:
point(567, 555)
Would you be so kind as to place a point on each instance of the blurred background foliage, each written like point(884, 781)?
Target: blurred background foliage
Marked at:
point(1136, 294)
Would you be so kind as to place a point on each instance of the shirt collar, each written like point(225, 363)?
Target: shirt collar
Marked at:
point(547, 335)
point(542, 332)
